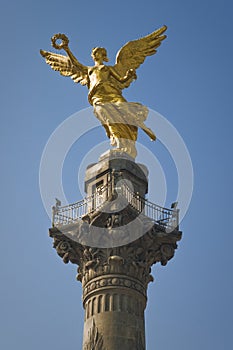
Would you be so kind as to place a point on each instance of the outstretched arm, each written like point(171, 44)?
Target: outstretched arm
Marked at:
point(68, 66)
point(64, 45)
point(73, 59)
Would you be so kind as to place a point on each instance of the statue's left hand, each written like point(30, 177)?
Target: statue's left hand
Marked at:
point(131, 73)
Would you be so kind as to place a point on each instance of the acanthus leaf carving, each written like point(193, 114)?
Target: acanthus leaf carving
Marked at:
point(135, 258)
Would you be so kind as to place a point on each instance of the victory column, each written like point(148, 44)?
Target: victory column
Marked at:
point(114, 234)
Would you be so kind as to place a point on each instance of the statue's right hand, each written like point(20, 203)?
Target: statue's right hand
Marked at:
point(64, 41)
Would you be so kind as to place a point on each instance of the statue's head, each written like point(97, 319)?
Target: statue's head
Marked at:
point(99, 52)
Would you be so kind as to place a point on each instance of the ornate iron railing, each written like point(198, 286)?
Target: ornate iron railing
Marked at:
point(64, 215)
point(70, 213)
point(163, 216)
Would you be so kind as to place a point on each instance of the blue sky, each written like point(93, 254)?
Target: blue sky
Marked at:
point(189, 82)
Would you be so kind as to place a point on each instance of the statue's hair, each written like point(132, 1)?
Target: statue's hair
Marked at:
point(103, 52)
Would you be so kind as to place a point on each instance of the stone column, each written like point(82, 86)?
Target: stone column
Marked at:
point(114, 303)
point(114, 245)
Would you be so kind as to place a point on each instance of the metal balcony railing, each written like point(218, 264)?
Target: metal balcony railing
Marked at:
point(69, 214)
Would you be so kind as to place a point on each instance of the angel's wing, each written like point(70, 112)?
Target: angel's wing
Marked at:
point(63, 64)
point(133, 54)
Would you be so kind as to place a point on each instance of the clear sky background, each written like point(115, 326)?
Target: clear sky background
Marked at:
point(189, 82)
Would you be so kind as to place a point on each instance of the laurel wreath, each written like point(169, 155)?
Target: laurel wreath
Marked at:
point(59, 36)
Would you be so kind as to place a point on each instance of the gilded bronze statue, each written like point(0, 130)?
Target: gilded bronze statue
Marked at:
point(120, 118)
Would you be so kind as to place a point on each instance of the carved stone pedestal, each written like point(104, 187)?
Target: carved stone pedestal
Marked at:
point(114, 245)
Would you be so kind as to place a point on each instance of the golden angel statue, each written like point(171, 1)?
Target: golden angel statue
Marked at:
point(120, 118)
